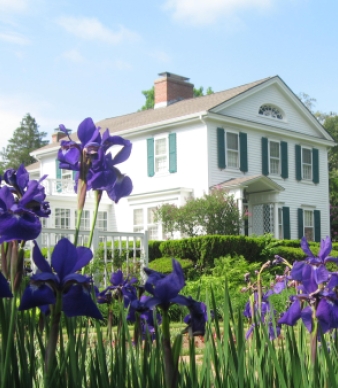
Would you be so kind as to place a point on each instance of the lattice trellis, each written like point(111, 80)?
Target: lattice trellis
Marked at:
point(262, 219)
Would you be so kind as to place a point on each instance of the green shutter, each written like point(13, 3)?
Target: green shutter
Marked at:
point(300, 223)
point(243, 152)
point(298, 153)
point(150, 156)
point(220, 148)
point(315, 165)
point(74, 174)
point(58, 176)
point(316, 215)
point(285, 167)
point(172, 153)
point(286, 223)
point(265, 156)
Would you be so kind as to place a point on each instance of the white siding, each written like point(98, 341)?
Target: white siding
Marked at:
point(295, 121)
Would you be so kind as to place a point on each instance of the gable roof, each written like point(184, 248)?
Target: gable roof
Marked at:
point(178, 109)
point(251, 183)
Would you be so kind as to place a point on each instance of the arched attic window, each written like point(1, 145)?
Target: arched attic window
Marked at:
point(271, 111)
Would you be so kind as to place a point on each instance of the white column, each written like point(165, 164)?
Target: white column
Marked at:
point(275, 219)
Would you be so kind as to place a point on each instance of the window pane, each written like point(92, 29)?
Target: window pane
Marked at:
point(102, 222)
point(233, 159)
point(307, 172)
point(232, 141)
point(138, 217)
point(308, 218)
point(274, 149)
point(306, 156)
point(160, 163)
point(151, 215)
point(274, 166)
point(160, 146)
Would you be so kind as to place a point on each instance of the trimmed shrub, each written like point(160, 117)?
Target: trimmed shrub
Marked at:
point(164, 265)
point(154, 250)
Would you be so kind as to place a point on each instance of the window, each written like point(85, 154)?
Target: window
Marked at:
point(306, 163)
point(308, 225)
point(161, 155)
point(138, 220)
point(66, 174)
point(85, 220)
point(274, 157)
point(102, 221)
point(280, 224)
point(151, 226)
point(62, 218)
point(232, 150)
point(270, 111)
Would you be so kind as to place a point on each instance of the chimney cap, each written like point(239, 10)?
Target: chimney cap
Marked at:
point(174, 76)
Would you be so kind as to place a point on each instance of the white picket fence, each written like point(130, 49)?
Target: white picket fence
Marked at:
point(107, 247)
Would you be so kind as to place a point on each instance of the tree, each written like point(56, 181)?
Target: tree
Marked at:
point(150, 96)
point(26, 138)
point(214, 213)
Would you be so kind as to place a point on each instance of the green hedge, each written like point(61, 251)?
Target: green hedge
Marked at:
point(154, 250)
point(206, 248)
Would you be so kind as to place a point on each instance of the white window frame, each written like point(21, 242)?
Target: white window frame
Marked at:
point(232, 151)
point(309, 224)
point(62, 218)
point(164, 156)
point(305, 176)
point(274, 158)
point(271, 111)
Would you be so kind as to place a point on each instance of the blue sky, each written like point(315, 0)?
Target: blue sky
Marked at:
point(64, 60)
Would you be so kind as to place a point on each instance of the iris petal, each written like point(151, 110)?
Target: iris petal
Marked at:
point(78, 302)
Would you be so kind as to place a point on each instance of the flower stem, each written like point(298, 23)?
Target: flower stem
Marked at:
point(10, 341)
point(53, 339)
point(169, 368)
point(98, 196)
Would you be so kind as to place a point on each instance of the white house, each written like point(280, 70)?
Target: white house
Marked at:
point(256, 140)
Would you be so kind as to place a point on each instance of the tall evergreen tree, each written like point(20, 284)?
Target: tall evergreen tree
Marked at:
point(26, 138)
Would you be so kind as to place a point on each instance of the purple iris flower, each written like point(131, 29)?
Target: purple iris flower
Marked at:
point(165, 288)
point(312, 271)
point(75, 289)
point(16, 221)
point(120, 288)
point(5, 292)
point(197, 317)
point(98, 167)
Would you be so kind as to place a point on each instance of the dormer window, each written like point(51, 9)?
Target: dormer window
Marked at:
point(270, 111)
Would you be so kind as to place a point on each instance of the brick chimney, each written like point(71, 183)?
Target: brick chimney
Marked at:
point(57, 135)
point(171, 88)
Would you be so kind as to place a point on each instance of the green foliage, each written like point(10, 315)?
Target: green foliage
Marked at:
point(214, 213)
point(198, 92)
point(154, 250)
point(206, 248)
point(164, 265)
point(150, 98)
point(26, 138)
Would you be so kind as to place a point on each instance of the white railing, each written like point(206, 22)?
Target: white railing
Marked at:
point(113, 249)
point(61, 187)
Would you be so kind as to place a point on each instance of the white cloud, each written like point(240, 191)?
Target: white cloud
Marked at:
point(14, 38)
point(13, 5)
point(206, 12)
point(73, 56)
point(93, 29)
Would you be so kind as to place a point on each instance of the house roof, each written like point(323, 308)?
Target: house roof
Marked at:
point(252, 184)
point(33, 167)
point(178, 109)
